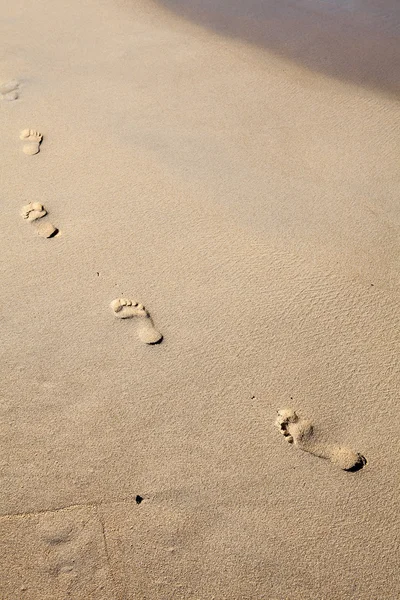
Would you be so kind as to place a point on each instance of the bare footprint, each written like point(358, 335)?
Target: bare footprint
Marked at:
point(33, 140)
point(34, 211)
point(9, 90)
point(300, 432)
point(127, 309)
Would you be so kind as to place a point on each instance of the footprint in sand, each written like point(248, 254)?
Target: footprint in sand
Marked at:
point(33, 140)
point(300, 432)
point(9, 90)
point(34, 211)
point(127, 309)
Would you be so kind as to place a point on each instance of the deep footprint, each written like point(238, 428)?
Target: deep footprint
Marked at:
point(32, 140)
point(34, 211)
point(300, 432)
point(124, 308)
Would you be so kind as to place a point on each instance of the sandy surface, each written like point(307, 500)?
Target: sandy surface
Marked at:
point(251, 203)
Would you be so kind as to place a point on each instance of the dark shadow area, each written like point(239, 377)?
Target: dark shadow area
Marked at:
point(360, 464)
point(353, 40)
point(156, 343)
point(55, 232)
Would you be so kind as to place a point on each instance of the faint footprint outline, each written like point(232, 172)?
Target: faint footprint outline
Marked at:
point(32, 139)
point(124, 308)
point(10, 90)
point(60, 549)
point(300, 432)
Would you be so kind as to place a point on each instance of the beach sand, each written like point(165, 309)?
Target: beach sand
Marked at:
point(251, 204)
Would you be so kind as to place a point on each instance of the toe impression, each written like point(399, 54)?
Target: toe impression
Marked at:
point(124, 308)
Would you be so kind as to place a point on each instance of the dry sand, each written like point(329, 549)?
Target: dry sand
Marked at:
point(251, 203)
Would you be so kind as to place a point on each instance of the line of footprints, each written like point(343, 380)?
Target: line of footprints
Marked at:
point(296, 430)
point(122, 308)
point(35, 211)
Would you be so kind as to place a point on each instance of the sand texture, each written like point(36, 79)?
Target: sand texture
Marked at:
point(200, 228)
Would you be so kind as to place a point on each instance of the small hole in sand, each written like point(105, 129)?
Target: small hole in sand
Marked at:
point(139, 499)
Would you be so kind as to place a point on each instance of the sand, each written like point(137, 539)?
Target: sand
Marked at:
point(245, 193)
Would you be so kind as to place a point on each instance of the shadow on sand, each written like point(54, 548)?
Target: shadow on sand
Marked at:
point(353, 40)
